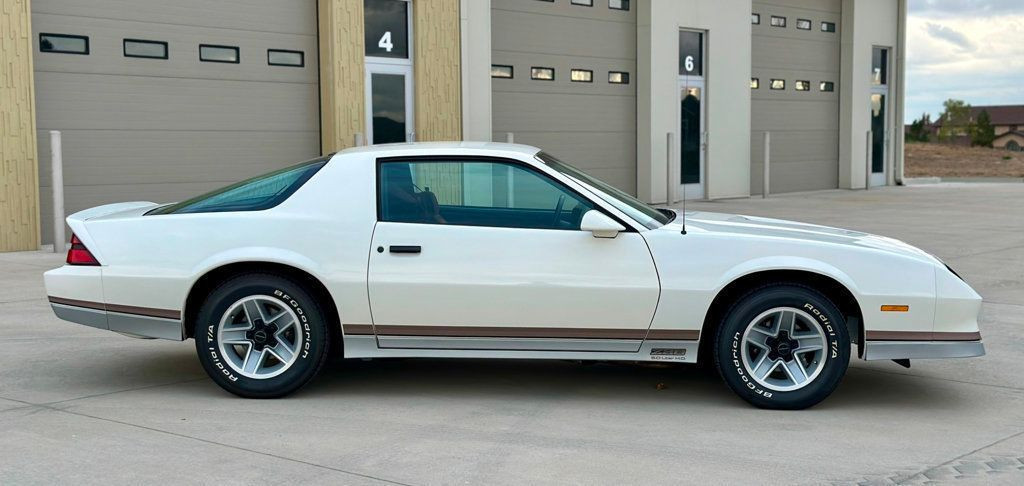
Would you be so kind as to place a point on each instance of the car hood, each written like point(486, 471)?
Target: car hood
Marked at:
point(754, 226)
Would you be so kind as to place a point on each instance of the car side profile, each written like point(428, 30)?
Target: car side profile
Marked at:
point(484, 250)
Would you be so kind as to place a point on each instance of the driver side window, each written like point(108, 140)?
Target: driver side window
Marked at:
point(471, 193)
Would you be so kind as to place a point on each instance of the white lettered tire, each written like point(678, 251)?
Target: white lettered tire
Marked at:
point(261, 335)
point(783, 346)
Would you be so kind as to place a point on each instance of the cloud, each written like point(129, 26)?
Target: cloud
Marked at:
point(950, 35)
point(972, 57)
point(966, 8)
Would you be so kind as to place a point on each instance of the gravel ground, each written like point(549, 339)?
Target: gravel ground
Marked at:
point(938, 160)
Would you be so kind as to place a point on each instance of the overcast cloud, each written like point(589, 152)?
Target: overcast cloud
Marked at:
point(965, 49)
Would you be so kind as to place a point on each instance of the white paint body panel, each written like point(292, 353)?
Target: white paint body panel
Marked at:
point(507, 277)
point(474, 276)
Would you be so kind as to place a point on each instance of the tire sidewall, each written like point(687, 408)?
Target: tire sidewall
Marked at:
point(311, 324)
point(728, 346)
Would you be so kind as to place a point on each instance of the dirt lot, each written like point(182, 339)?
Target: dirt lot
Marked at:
point(937, 160)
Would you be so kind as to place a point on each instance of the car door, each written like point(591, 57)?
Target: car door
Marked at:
point(480, 253)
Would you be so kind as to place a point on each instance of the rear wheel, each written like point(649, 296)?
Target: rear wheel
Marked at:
point(261, 336)
point(783, 346)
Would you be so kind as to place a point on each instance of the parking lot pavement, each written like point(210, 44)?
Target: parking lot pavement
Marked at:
point(89, 406)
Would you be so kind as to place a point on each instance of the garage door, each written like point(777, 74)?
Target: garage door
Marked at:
point(162, 128)
point(581, 118)
point(796, 43)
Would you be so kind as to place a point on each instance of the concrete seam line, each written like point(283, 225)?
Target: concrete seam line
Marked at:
point(207, 441)
point(903, 479)
point(1002, 387)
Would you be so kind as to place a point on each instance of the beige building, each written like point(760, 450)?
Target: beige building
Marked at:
point(665, 99)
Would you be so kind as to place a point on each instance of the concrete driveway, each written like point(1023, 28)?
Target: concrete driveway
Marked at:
point(89, 406)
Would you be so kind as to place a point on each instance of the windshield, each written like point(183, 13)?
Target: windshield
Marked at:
point(631, 206)
point(260, 192)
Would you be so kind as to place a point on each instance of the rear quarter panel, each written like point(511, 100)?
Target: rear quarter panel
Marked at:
point(323, 229)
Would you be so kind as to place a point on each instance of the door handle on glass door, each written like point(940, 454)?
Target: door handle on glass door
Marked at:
point(404, 248)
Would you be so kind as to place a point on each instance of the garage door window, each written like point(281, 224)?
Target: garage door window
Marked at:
point(63, 43)
point(618, 77)
point(471, 193)
point(211, 53)
point(618, 4)
point(145, 48)
point(582, 76)
point(542, 73)
point(281, 57)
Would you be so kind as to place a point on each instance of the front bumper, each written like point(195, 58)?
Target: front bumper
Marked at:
point(876, 350)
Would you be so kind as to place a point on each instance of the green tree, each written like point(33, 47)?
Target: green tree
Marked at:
point(983, 133)
point(920, 129)
point(956, 119)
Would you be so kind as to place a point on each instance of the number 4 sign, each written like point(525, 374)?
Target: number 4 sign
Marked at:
point(385, 42)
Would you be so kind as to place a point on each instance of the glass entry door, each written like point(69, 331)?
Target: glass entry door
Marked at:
point(389, 104)
point(879, 151)
point(691, 134)
point(691, 139)
point(879, 138)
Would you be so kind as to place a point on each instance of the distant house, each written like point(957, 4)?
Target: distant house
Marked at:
point(1008, 121)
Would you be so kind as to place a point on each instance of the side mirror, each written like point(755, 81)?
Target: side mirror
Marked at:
point(600, 224)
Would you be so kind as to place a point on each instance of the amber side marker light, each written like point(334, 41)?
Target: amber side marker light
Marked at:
point(895, 308)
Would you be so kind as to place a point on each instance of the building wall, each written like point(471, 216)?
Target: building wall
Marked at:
point(866, 24)
point(437, 70)
point(476, 69)
point(19, 179)
point(727, 73)
point(342, 73)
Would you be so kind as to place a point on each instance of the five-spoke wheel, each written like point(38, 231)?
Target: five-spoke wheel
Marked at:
point(259, 336)
point(783, 345)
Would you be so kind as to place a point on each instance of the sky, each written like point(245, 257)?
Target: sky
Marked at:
point(971, 50)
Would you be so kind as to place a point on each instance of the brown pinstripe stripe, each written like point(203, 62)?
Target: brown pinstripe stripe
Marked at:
point(123, 309)
point(518, 332)
point(921, 336)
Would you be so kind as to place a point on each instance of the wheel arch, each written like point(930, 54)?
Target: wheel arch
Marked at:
point(206, 283)
point(831, 287)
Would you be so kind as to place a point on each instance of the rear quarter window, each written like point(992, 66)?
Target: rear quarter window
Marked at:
point(261, 192)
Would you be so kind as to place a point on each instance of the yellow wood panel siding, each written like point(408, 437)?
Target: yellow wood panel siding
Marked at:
point(436, 67)
point(342, 73)
point(19, 174)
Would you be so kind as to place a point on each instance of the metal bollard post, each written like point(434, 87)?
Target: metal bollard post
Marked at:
point(670, 190)
point(867, 163)
point(510, 138)
point(767, 162)
point(358, 139)
point(57, 184)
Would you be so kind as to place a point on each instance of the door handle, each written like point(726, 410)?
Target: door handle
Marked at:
point(404, 248)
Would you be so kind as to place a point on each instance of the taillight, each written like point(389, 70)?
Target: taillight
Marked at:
point(79, 254)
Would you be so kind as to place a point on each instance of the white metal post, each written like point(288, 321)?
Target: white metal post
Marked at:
point(867, 163)
point(510, 137)
point(358, 139)
point(767, 161)
point(670, 190)
point(57, 183)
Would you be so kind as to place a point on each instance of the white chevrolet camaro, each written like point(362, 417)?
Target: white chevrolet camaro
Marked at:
point(480, 250)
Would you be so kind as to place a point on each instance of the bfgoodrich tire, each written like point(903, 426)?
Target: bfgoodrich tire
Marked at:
point(261, 335)
point(783, 346)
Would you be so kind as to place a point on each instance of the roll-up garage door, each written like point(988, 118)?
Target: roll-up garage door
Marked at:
point(143, 118)
point(564, 80)
point(795, 62)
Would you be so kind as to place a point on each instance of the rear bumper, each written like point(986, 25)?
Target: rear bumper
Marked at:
point(133, 325)
point(876, 350)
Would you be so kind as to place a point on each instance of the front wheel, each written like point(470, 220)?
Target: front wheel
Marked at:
point(783, 346)
point(261, 336)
